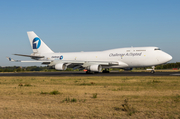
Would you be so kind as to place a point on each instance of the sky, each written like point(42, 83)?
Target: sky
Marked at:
point(88, 25)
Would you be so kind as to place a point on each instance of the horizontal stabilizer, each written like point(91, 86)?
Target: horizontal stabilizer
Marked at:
point(32, 56)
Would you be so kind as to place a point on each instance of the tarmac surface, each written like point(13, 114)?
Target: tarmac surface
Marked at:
point(60, 74)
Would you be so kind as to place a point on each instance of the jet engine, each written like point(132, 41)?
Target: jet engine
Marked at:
point(95, 68)
point(60, 66)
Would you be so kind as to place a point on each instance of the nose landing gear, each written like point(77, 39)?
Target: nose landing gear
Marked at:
point(153, 70)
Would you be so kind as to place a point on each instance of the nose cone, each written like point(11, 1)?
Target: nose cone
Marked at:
point(164, 57)
point(168, 57)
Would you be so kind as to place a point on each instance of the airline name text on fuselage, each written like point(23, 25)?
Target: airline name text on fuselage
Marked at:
point(124, 54)
point(55, 57)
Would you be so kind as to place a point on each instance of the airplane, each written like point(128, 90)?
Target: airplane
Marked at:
point(94, 62)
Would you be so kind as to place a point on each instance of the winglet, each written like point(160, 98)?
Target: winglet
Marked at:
point(12, 60)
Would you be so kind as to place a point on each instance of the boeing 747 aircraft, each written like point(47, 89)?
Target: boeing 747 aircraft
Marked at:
point(123, 58)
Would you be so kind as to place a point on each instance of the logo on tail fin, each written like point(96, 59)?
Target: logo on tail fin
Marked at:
point(36, 43)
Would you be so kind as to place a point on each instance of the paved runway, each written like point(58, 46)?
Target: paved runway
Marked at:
point(97, 74)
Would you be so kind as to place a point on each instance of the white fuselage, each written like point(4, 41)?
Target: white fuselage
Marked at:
point(133, 56)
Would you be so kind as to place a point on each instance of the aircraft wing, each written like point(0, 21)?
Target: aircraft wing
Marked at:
point(43, 61)
point(71, 63)
point(75, 64)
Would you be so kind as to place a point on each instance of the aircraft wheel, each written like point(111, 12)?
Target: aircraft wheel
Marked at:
point(96, 72)
point(152, 71)
point(105, 71)
point(89, 72)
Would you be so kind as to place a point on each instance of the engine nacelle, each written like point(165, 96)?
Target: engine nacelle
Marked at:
point(60, 66)
point(96, 68)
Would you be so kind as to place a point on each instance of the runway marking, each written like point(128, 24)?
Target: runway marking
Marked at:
point(175, 74)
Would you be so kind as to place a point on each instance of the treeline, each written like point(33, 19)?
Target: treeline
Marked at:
point(30, 68)
point(20, 69)
point(169, 66)
point(162, 66)
point(47, 69)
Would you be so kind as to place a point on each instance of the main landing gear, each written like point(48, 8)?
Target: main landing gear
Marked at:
point(105, 71)
point(92, 72)
point(89, 72)
point(153, 70)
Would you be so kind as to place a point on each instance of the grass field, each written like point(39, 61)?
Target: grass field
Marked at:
point(90, 97)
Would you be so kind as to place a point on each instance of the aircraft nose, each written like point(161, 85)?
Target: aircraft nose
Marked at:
point(164, 57)
point(169, 57)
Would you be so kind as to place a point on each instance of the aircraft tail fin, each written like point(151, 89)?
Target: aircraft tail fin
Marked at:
point(37, 45)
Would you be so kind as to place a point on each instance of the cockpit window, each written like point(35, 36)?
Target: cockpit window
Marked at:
point(157, 49)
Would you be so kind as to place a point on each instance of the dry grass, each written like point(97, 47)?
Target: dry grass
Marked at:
point(116, 97)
